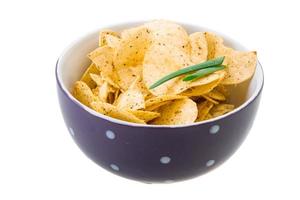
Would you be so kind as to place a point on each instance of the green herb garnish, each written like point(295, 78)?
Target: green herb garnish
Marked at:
point(202, 72)
point(207, 64)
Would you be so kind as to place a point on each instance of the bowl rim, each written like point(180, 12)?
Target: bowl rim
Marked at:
point(68, 94)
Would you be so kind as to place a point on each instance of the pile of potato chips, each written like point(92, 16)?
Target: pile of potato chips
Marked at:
point(126, 64)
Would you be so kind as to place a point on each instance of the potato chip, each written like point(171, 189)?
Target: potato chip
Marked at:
point(210, 99)
point(221, 109)
point(203, 110)
point(160, 61)
point(132, 98)
point(133, 45)
point(165, 32)
point(180, 111)
point(103, 36)
point(160, 99)
point(200, 86)
point(156, 106)
point(103, 59)
point(83, 93)
point(103, 91)
point(97, 79)
point(212, 42)
point(199, 49)
point(113, 111)
point(86, 76)
point(222, 89)
point(215, 94)
point(126, 75)
point(112, 41)
point(144, 115)
point(208, 116)
point(240, 65)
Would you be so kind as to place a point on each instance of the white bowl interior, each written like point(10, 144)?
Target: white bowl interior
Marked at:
point(73, 63)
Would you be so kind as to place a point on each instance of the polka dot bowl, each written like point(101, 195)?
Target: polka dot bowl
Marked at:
point(153, 153)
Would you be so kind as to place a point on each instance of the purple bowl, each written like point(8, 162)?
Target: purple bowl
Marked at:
point(151, 153)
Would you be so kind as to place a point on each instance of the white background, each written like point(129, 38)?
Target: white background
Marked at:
point(39, 160)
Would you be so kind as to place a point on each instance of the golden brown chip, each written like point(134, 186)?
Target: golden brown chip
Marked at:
point(103, 35)
point(112, 41)
point(144, 115)
point(181, 111)
point(86, 76)
point(160, 99)
point(222, 89)
point(203, 110)
point(113, 111)
point(83, 93)
point(199, 49)
point(156, 106)
point(221, 109)
point(208, 116)
point(133, 45)
point(103, 92)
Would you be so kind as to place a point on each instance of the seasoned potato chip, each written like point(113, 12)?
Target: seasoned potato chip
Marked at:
point(160, 99)
point(165, 32)
point(97, 79)
point(112, 41)
point(199, 49)
point(103, 59)
point(83, 93)
point(240, 65)
point(113, 111)
point(156, 106)
point(103, 91)
point(86, 76)
point(126, 75)
point(180, 111)
point(203, 110)
point(144, 115)
point(133, 45)
point(212, 42)
point(215, 94)
point(221, 109)
point(222, 89)
point(103, 36)
point(133, 98)
point(160, 61)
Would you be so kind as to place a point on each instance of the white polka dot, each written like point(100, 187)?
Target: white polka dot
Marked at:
point(210, 163)
point(214, 129)
point(110, 135)
point(71, 131)
point(165, 160)
point(114, 167)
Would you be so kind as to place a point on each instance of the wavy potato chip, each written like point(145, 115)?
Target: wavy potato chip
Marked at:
point(103, 36)
point(113, 111)
point(199, 49)
point(221, 109)
point(203, 110)
point(144, 115)
point(86, 76)
point(180, 111)
point(83, 93)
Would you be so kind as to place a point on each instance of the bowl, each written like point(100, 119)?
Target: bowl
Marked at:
point(151, 153)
